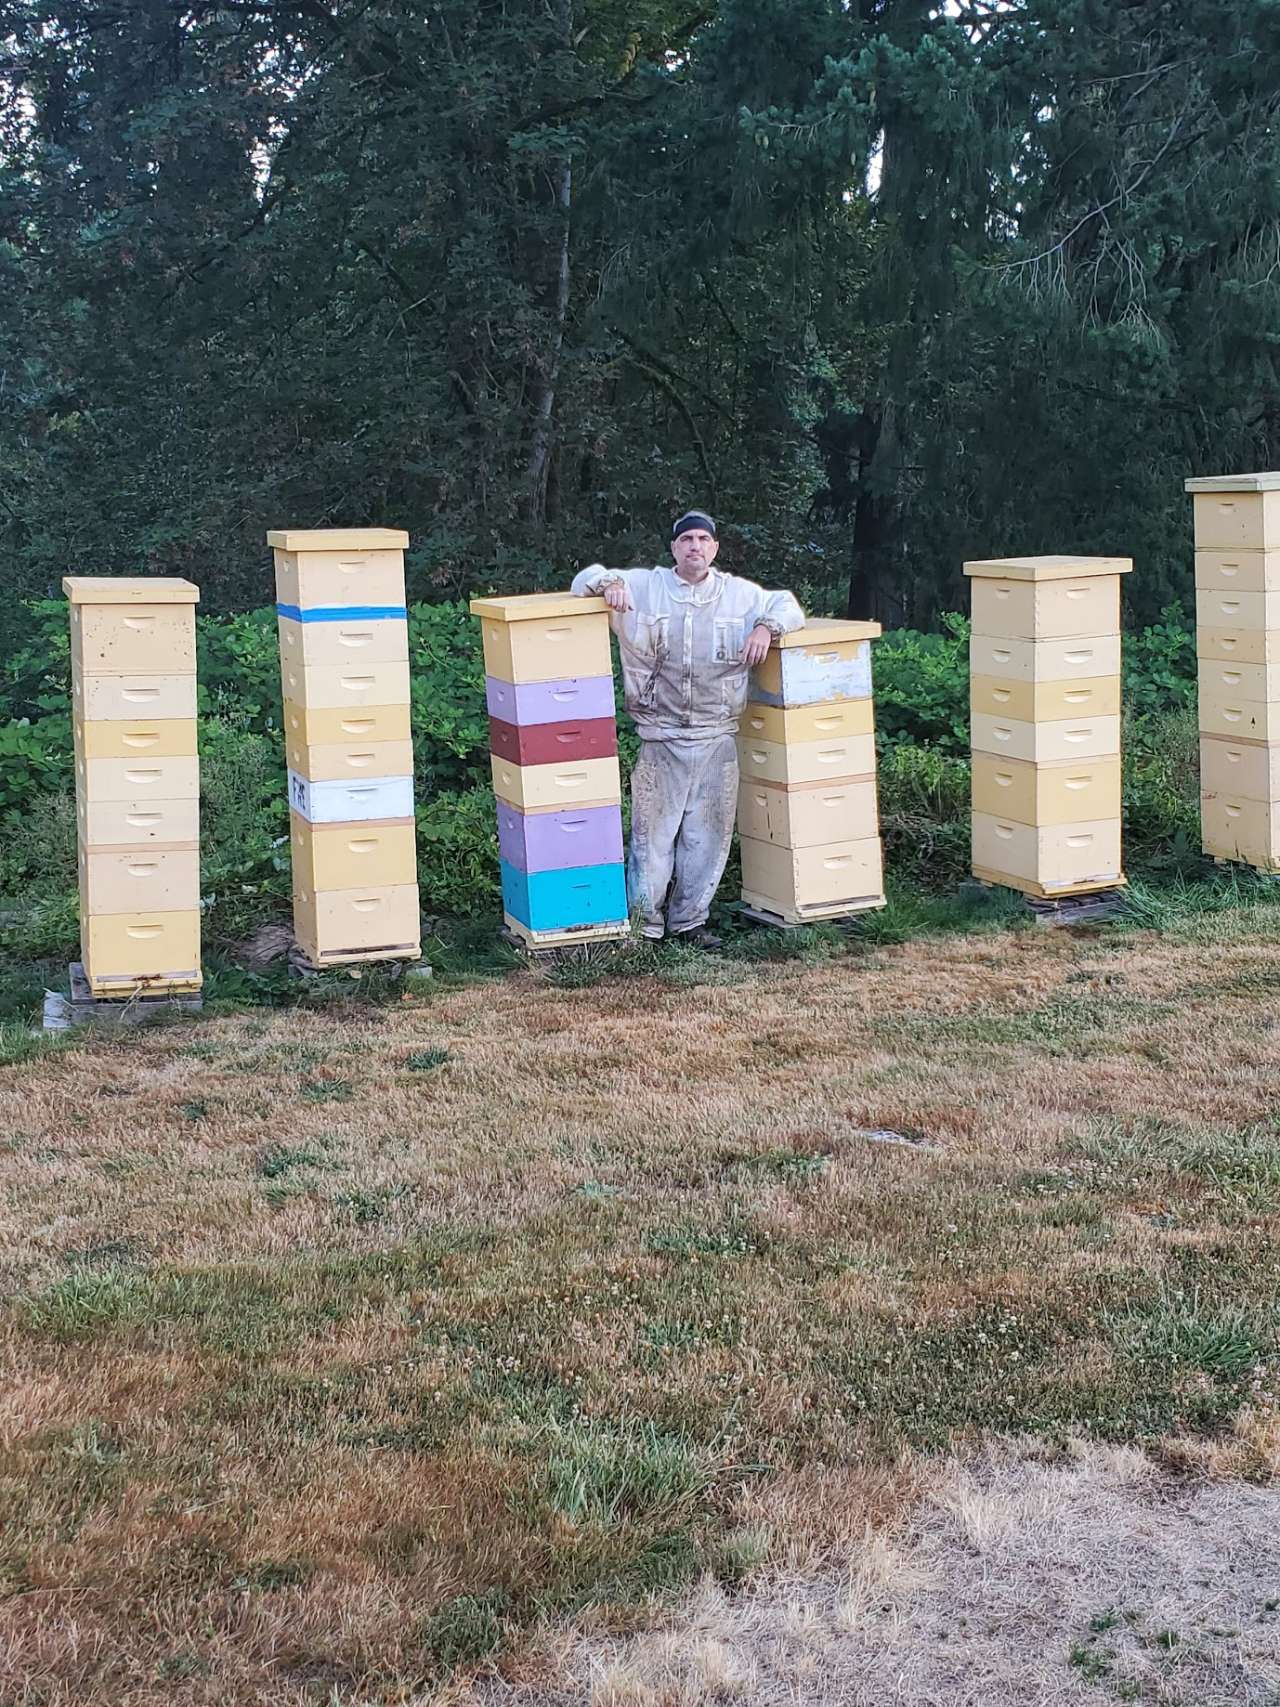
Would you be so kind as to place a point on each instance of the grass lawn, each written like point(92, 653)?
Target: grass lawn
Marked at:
point(338, 1346)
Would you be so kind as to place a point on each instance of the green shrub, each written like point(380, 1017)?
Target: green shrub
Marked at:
point(244, 829)
point(924, 814)
point(458, 854)
point(922, 686)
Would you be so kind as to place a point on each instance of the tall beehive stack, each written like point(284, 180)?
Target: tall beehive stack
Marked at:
point(553, 735)
point(1237, 534)
point(807, 817)
point(1045, 723)
point(344, 665)
point(133, 676)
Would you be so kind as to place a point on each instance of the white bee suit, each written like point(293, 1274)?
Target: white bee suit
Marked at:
point(685, 687)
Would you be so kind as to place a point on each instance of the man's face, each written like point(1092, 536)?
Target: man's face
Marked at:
point(694, 551)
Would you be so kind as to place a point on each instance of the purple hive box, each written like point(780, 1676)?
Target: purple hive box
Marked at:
point(557, 841)
point(549, 702)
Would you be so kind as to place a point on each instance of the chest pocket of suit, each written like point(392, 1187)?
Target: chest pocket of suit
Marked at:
point(728, 641)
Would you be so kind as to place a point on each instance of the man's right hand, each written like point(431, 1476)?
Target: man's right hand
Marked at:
point(617, 595)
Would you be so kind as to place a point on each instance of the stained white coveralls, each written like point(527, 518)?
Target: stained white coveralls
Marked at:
point(685, 686)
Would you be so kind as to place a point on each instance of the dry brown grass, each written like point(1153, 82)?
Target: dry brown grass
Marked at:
point(320, 1372)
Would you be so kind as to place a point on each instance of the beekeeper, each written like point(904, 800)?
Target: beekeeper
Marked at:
point(688, 634)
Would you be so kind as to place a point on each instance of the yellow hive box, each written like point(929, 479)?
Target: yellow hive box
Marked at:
point(1247, 770)
point(1047, 860)
point(1045, 702)
point(826, 721)
point(125, 699)
point(350, 761)
point(820, 656)
point(333, 925)
point(1238, 718)
point(1231, 609)
point(1238, 571)
point(1081, 657)
point(135, 824)
point(164, 738)
point(139, 880)
point(1069, 738)
point(1047, 598)
point(126, 951)
point(810, 816)
point(547, 788)
point(544, 637)
point(1063, 793)
point(806, 761)
point(137, 780)
point(1234, 827)
point(355, 644)
point(1236, 512)
point(319, 726)
point(338, 687)
point(376, 855)
point(795, 882)
point(311, 578)
point(1239, 645)
point(132, 639)
point(1229, 681)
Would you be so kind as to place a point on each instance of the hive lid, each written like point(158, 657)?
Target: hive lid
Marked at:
point(827, 630)
point(338, 539)
point(527, 607)
point(130, 590)
point(1048, 568)
point(1234, 483)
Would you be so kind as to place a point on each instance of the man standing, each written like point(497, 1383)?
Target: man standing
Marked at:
point(688, 635)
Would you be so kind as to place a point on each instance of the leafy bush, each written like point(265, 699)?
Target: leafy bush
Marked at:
point(924, 814)
point(458, 854)
point(922, 686)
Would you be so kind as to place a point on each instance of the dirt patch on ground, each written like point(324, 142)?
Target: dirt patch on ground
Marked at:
point(1012, 1583)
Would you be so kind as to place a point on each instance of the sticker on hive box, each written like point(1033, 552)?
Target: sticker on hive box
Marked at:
point(126, 699)
point(544, 788)
point(99, 780)
point(340, 802)
point(132, 639)
point(336, 579)
point(809, 816)
point(825, 722)
point(1061, 793)
point(1068, 738)
point(139, 880)
point(553, 743)
point(555, 841)
point(350, 642)
point(138, 823)
point(560, 900)
point(587, 697)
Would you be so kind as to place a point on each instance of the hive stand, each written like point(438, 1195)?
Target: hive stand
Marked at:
point(1045, 730)
point(133, 688)
point(344, 670)
point(554, 759)
point(1237, 545)
point(807, 817)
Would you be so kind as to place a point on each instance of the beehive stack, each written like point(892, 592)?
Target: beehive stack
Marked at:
point(1045, 723)
point(807, 817)
point(344, 665)
point(553, 735)
point(1237, 534)
point(133, 676)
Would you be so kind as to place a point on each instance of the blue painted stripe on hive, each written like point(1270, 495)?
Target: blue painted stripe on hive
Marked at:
point(344, 613)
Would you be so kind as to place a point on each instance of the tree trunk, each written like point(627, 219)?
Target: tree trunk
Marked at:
point(545, 393)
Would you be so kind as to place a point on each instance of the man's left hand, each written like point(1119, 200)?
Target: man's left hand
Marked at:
point(758, 643)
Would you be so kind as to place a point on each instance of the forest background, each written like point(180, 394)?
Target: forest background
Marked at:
point(883, 284)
